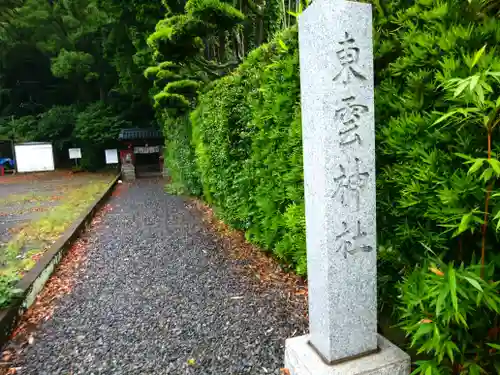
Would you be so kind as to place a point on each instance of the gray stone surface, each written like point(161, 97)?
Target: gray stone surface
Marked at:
point(301, 359)
point(336, 62)
point(128, 172)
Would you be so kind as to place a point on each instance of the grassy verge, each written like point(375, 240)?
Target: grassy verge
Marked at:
point(32, 239)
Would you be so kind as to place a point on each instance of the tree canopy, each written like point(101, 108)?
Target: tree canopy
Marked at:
point(127, 56)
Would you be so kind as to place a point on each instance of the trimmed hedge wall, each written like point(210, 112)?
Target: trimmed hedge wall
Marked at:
point(179, 156)
point(241, 149)
point(241, 146)
point(247, 135)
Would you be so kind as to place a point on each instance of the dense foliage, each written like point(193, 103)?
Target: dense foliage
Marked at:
point(248, 149)
point(60, 60)
point(438, 106)
point(78, 53)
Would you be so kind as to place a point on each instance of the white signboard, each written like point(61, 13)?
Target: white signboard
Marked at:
point(111, 156)
point(34, 157)
point(75, 153)
point(146, 150)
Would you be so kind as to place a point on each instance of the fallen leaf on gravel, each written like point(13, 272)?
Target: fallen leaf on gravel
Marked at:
point(284, 371)
point(252, 261)
point(6, 356)
point(59, 284)
point(191, 362)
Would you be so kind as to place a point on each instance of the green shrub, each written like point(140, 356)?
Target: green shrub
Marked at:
point(92, 158)
point(57, 125)
point(171, 101)
point(450, 314)
point(98, 125)
point(179, 155)
point(8, 293)
point(423, 187)
point(421, 180)
point(247, 134)
point(22, 129)
point(437, 115)
point(186, 87)
point(151, 72)
point(215, 12)
point(177, 38)
point(71, 63)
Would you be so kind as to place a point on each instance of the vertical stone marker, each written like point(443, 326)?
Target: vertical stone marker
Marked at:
point(336, 63)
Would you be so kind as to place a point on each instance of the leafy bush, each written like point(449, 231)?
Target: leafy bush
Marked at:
point(21, 129)
point(241, 146)
point(423, 186)
point(437, 115)
point(460, 317)
point(57, 125)
point(163, 73)
point(450, 313)
point(177, 38)
point(174, 102)
point(98, 125)
point(71, 63)
point(247, 134)
point(215, 12)
point(8, 293)
point(179, 155)
point(185, 87)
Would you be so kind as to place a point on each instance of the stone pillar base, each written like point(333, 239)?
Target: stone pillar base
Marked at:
point(302, 359)
point(165, 172)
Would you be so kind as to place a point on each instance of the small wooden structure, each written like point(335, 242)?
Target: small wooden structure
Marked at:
point(142, 152)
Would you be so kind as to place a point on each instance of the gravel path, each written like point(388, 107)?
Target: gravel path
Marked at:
point(158, 293)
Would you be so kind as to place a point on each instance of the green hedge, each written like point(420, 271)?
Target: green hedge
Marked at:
point(424, 188)
point(179, 155)
point(247, 135)
point(241, 150)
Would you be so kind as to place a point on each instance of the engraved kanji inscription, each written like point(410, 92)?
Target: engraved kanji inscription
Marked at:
point(349, 115)
point(348, 57)
point(350, 184)
point(348, 240)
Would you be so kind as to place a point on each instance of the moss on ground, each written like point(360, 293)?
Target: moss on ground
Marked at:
point(32, 239)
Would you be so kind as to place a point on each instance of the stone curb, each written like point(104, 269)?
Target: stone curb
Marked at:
point(34, 280)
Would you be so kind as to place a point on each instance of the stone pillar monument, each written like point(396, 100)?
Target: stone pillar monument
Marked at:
point(336, 75)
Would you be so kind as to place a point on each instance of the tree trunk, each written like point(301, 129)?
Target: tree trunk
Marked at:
point(102, 94)
point(222, 46)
